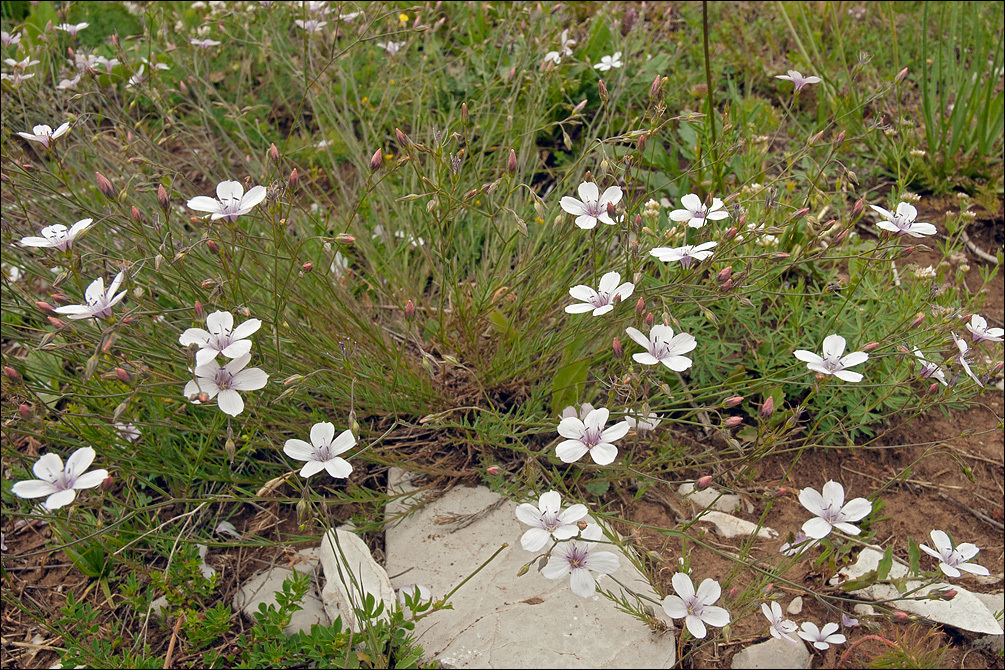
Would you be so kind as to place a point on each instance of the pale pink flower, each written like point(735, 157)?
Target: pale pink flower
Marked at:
point(593, 206)
point(99, 301)
point(589, 435)
point(980, 332)
point(902, 222)
point(798, 79)
point(57, 236)
point(220, 337)
point(44, 134)
point(778, 626)
point(832, 362)
point(548, 520)
point(953, 559)
point(695, 607)
point(60, 483)
point(580, 559)
point(662, 346)
point(231, 201)
point(821, 639)
point(695, 212)
point(323, 453)
point(601, 301)
point(685, 254)
point(831, 511)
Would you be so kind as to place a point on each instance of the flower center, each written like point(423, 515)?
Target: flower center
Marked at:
point(577, 556)
point(550, 522)
point(323, 453)
point(224, 379)
point(595, 209)
point(591, 437)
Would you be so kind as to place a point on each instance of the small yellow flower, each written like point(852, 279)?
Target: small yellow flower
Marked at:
point(403, 18)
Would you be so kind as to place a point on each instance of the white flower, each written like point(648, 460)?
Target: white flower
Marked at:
point(821, 639)
point(44, 134)
point(640, 422)
point(952, 560)
point(962, 358)
point(231, 201)
point(832, 363)
point(57, 236)
point(392, 48)
point(684, 254)
point(929, 369)
point(8, 39)
point(311, 25)
point(662, 346)
point(903, 222)
point(204, 44)
point(584, 411)
point(99, 302)
point(603, 300)
point(800, 542)
point(137, 78)
point(227, 528)
point(23, 64)
point(548, 520)
point(323, 451)
point(68, 84)
point(226, 381)
point(798, 79)
point(696, 214)
point(608, 62)
point(60, 483)
point(220, 338)
point(71, 28)
point(128, 431)
point(417, 593)
point(779, 626)
point(593, 206)
point(695, 607)
point(581, 559)
point(339, 265)
point(589, 435)
point(16, 78)
point(980, 332)
point(831, 510)
point(567, 43)
point(552, 57)
point(319, 7)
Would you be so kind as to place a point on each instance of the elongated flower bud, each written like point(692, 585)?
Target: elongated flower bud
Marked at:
point(376, 160)
point(650, 319)
point(768, 408)
point(465, 117)
point(104, 185)
point(402, 138)
point(654, 89)
point(511, 163)
point(273, 152)
point(872, 346)
point(11, 373)
point(24, 410)
point(619, 351)
point(162, 197)
point(732, 401)
point(732, 422)
point(198, 309)
point(640, 306)
point(724, 274)
point(603, 91)
point(409, 309)
point(703, 482)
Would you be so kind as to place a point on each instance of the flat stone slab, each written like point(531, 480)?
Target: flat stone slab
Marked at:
point(772, 654)
point(500, 620)
point(262, 589)
point(730, 526)
point(350, 575)
point(966, 611)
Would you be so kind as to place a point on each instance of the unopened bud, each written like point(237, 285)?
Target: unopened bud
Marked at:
point(640, 305)
point(619, 351)
point(815, 138)
point(198, 309)
point(57, 322)
point(24, 410)
point(579, 107)
point(654, 89)
point(998, 367)
point(949, 594)
point(733, 421)
point(611, 211)
point(409, 309)
point(726, 285)
point(839, 238)
point(900, 616)
point(703, 482)
point(906, 251)
point(917, 320)
point(273, 152)
point(779, 256)
point(123, 375)
point(104, 185)
point(732, 593)
point(511, 163)
point(731, 233)
point(494, 470)
point(799, 213)
point(523, 570)
point(724, 274)
point(768, 408)
point(732, 401)
point(203, 397)
point(872, 346)
point(294, 180)
point(137, 215)
point(900, 75)
point(91, 366)
point(933, 387)
point(376, 160)
point(642, 143)
point(839, 140)
point(465, 117)
point(28, 167)
point(603, 91)
point(11, 373)
point(308, 266)
point(402, 138)
point(213, 247)
point(345, 238)
point(650, 319)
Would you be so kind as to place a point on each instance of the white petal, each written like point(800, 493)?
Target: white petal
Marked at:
point(48, 467)
point(202, 203)
point(570, 451)
point(582, 583)
point(674, 607)
point(588, 192)
point(253, 197)
point(572, 206)
point(604, 562)
point(551, 501)
point(230, 402)
point(251, 379)
point(32, 488)
point(692, 202)
point(612, 195)
point(833, 494)
point(534, 539)
point(322, 434)
point(339, 468)
point(682, 586)
point(343, 443)
point(220, 322)
point(556, 568)
point(89, 480)
point(60, 499)
point(229, 190)
point(833, 346)
point(604, 453)
point(298, 449)
point(816, 528)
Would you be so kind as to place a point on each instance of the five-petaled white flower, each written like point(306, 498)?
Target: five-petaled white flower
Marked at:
point(581, 559)
point(72, 28)
point(662, 346)
point(821, 639)
point(548, 520)
point(831, 510)
point(980, 332)
point(60, 483)
point(204, 44)
point(695, 212)
point(902, 222)
point(22, 64)
point(567, 43)
point(57, 236)
point(8, 39)
point(392, 48)
point(695, 607)
point(226, 382)
point(589, 435)
point(609, 62)
point(779, 626)
point(553, 58)
point(311, 25)
point(231, 201)
point(603, 300)
point(952, 560)
point(584, 411)
point(220, 337)
point(685, 254)
point(99, 301)
point(43, 134)
point(798, 79)
point(929, 369)
point(593, 206)
point(323, 451)
point(832, 363)
point(964, 349)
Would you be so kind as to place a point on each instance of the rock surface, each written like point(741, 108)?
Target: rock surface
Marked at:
point(710, 498)
point(347, 562)
point(501, 620)
point(730, 526)
point(262, 589)
point(774, 653)
point(965, 611)
point(796, 606)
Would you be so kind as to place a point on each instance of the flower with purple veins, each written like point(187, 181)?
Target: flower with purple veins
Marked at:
point(548, 520)
point(581, 558)
point(57, 236)
point(60, 483)
point(953, 559)
point(226, 382)
point(220, 338)
point(231, 201)
point(778, 626)
point(662, 346)
point(903, 221)
point(593, 206)
point(696, 214)
point(831, 511)
point(798, 79)
point(980, 332)
point(589, 435)
point(821, 639)
point(323, 452)
point(99, 301)
point(832, 362)
point(600, 301)
point(695, 607)
point(686, 254)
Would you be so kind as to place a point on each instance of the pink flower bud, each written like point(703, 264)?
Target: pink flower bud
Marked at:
point(781, 491)
point(917, 320)
point(724, 274)
point(409, 309)
point(998, 367)
point(136, 214)
point(11, 373)
point(107, 483)
point(603, 91)
point(199, 311)
point(900, 616)
point(57, 323)
point(611, 211)
point(465, 117)
point(273, 152)
point(123, 375)
point(733, 421)
point(619, 351)
point(104, 185)
point(933, 387)
point(511, 163)
point(24, 410)
point(640, 306)
point(307, 267)
point(654, 89)
point(900, 75)
point(732, 593)
point(839, 238)
point(294, 180)
point(859, 206)
point(579, 107)
point(726, 285)
point(779, 256)
point(642, 143)
point(768, 408)
point(650, 319)
point(906, 251)
point(949, 594)
point(731, 233)
point(872, 346)
point(402, 138)
point(799, 213)
point(203, 397)
point(732, 401)
point(376, 160)
point(494, 470)
point(703, 482)
point(213, 247)
point(840, 139)
point(28, 167)
point(345, 238)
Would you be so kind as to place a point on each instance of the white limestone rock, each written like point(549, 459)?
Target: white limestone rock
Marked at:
point(772, 654)
point(796, 606)
point(710, 498)
point(347, 562)
point(500, 620)
point(262, 589)
point(730, 526)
